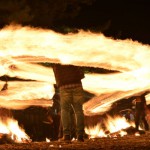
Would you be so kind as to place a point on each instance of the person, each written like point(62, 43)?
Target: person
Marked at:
point(148, 116)
point(132, 117)
point(140, 115)
point(55, 109)
point(72, 125)
point(57, 124)
point(127, 115)
point(68, 79)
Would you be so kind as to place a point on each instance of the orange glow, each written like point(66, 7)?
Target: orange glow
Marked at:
point(21, 48)
point(95, 131)
point(112, 125)
point(21, 95)
point(116, 124)
point(11, 127)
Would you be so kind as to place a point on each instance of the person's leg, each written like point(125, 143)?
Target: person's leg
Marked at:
point(73, 123)
point(78, 100)
point(60, 135)
point(146, 126)
point(65, 101)
point(137, 120)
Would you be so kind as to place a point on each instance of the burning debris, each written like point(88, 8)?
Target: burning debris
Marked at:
point(125, 132)
point(113, 127)
point(10, 132)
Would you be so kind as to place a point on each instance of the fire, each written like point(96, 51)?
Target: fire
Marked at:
point(22, 48)
point(83, 48)
point(116, 124)
point(95, 131)
point(10, 127)
point(21, 95)
point(112, 125)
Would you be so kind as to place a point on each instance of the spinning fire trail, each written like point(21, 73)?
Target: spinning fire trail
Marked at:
point(22, 48)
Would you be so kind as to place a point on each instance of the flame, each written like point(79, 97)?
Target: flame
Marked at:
point(95, 131)
point(21, 95)
point(22, 48)
point(116, 124)
point(112, 125)
point(10, 126)
point(83, 48)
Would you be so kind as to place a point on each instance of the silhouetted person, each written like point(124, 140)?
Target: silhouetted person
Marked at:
point(140, 114)
point(68, 79)
point(56, 113)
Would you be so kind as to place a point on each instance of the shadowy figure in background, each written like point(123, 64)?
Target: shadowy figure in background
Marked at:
point(56, 100)
point(56, 113)
point(52, 118)
point(33, 122)
point(68, 79)
point(127, 115)
point(140, 112)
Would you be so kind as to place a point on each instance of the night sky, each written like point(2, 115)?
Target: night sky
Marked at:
point(122, 18)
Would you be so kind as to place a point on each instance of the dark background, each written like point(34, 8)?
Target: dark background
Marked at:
point(120, 19)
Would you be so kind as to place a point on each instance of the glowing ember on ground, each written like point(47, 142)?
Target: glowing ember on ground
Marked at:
point(48, 140)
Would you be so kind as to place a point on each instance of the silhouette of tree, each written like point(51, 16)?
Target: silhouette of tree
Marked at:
point(45, 13)
point(14, 11)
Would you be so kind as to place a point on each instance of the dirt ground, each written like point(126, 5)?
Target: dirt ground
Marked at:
point(129, 142)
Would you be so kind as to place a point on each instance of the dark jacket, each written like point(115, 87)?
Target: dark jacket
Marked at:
point(67, 74)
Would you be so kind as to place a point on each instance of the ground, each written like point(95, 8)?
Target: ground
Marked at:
point(129, 142)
